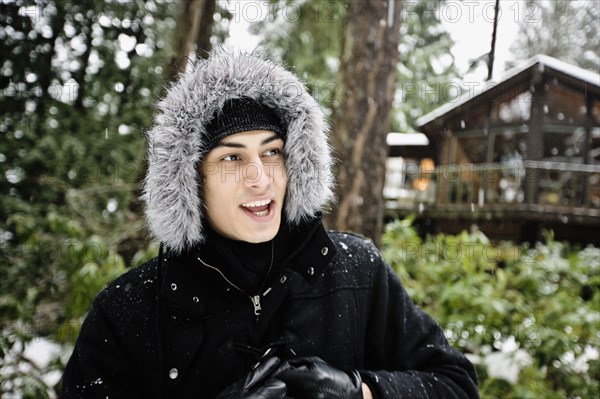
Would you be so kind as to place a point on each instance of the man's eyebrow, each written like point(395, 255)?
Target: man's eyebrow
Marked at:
point(274, 137)
point(230, 144)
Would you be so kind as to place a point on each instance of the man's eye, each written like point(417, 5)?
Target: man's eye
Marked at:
point(273, 152)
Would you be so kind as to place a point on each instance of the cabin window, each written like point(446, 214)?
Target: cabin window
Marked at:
point(513, 110)
point(471, 149)
point(594, 143)
point(564, 105)
point(594, 154)
point(509, 146)
point(564, 145)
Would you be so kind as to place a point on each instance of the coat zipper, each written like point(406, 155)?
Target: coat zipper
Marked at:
point(255, 299)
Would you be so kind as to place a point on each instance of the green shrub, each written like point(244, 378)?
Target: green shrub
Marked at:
point(497, 300)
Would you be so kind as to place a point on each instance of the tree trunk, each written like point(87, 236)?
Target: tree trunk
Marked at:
point(361, 120)
point(494, 36)
point(194, 28)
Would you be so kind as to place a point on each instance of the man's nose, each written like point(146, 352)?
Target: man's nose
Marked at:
point(255, 174)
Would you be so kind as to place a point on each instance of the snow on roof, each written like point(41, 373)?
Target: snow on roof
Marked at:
point(397, 139)
point(566, 68)
point(544, 60)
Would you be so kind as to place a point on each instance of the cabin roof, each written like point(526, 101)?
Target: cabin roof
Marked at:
point(573, 75)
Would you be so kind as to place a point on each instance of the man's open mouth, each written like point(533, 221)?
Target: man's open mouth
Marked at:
point(258, 208)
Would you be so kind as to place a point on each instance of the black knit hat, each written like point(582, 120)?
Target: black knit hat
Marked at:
point(242, 115)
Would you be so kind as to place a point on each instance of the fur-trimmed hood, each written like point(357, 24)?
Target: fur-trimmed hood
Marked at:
point(177, 143)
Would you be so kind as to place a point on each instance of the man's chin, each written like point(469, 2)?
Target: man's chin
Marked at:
point(257, 239)
point(263, 234)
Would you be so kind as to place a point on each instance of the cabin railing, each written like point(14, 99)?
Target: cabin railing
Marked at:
point(533, 187)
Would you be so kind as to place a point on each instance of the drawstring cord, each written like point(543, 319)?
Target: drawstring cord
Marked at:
point(158, 325)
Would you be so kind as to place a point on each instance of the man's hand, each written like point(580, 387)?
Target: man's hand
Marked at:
point(258, 383)
point(311, 377)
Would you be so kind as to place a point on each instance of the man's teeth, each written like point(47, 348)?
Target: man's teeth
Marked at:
point(255, 204)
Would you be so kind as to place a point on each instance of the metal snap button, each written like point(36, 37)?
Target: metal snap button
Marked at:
point(283, 279)
point(173, 286)
point(195, 299)
point(324, 251)
point(173, 373)
point(311, 271)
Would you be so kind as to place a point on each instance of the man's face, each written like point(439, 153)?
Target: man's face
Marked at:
point(244, 186)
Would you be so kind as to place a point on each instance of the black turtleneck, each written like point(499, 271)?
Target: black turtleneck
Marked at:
point(243, 263)
point(246, 264)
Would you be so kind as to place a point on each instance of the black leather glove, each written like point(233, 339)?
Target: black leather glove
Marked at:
point(258, 383)
point(312, 377)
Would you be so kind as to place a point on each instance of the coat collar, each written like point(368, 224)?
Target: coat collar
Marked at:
point(313, 255)
point(187, 283)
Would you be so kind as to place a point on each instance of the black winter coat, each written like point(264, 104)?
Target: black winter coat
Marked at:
point(184, 332)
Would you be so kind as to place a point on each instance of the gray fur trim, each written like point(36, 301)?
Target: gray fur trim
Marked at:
point(177, 143)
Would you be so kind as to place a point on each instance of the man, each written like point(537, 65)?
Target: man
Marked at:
point(252, 298)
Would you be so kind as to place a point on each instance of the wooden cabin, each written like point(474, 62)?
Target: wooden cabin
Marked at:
point(516, 158)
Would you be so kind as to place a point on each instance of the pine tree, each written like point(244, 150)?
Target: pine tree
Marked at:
point(313, 54)
point(78, 83)
point(427, 77)
point(564, 29)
